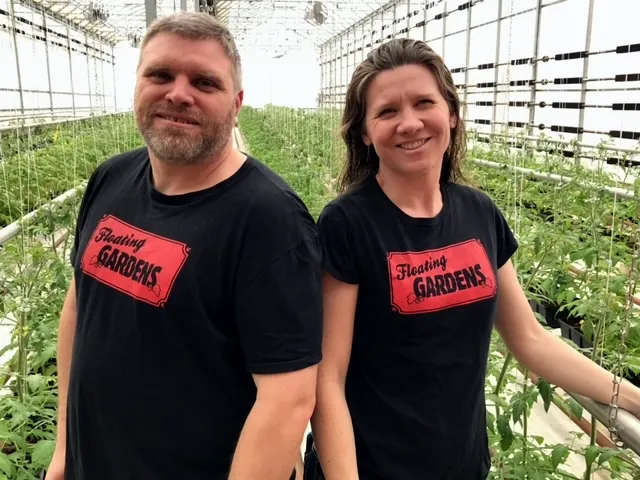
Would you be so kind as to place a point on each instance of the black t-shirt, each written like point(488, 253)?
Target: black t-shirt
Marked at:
point(424, 317)
point(180, 299)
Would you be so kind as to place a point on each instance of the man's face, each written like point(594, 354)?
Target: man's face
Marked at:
point(185, 102)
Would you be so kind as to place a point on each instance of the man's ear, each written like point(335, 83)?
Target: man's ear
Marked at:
point(239, 101)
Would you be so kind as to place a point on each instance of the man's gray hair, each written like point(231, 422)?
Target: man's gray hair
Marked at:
point(199, 26)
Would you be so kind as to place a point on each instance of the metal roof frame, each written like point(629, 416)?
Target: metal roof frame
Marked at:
point(252, 22)
point(267, 24)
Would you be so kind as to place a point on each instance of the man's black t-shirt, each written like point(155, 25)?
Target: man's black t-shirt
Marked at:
point(180, 299)
point(424, 317)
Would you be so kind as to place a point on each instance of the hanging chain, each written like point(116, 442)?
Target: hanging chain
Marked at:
point(622, 350)
point(624, 330)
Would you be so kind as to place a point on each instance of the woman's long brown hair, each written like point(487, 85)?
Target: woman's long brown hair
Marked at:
point(362, 161)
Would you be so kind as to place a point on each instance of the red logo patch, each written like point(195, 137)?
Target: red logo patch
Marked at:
point(133, 261)
point(437, 279)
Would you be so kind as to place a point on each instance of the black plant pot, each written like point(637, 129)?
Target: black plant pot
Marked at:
point(566, 329)
point(633, 378)
point(551, 316)
point(577, 337)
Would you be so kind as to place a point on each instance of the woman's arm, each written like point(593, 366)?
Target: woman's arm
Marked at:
point(548, 356)
point(331, 421)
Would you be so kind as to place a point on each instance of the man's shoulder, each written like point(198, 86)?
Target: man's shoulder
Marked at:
point(122, 163)
point(113, 170)
point(273, 222)
point(268, 194)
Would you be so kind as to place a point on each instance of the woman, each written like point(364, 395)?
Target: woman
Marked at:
point(418, 272)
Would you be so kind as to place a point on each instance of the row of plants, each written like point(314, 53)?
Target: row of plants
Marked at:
point(39, 163)
point(584, 240)
point(558, 227)
point(34, 277)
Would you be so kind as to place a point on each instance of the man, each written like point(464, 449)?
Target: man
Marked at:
point(190, 334)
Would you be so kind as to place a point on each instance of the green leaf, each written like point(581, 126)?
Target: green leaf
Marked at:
point(4, 430)
point(491, 419)
point(539, 439)
point(6, 466)
point(591, 453)
point(546, 393)
point(506, 435)
point(42, 453)
point(575, 408)
point(559, 455)
point(36, 382)
point(607, 455)
point(518, 409)
point(497, 400)
point(587, 329)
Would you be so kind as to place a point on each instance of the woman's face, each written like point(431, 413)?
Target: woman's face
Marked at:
point(408, 121)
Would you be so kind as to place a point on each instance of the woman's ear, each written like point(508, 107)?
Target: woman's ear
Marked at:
point(365, 138)
point(453, 121)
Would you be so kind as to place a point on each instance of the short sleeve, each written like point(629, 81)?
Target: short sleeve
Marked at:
point(337, 246)
point(507, 244)
point(279, 312)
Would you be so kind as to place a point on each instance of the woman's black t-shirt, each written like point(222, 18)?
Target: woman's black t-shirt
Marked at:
point(424, 317)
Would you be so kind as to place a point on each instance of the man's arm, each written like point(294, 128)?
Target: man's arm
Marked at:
point(279, 317)
point(66, 335)
point(270, 441)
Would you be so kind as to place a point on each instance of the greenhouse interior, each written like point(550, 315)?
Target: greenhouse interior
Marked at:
point(550, 98)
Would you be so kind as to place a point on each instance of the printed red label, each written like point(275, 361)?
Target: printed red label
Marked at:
point(133, 261)
point(437, 279)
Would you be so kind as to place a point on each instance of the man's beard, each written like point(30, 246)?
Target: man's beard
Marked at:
point(179, 146)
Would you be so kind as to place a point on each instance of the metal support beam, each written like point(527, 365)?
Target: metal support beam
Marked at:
point(585, 71)
point(46, 53)
point(395, 21)
point(534, 69)
point(466, 64)
point(627, 425)
point(424, 20)
point(151, 11)
point(14, 37)
point(115, 90)
point(552, 177)
point(102, 62)
point(13, 229)
point(342, 70)
point(73, 95)
point(496, 70)
point(86, 42)
point(444, 28)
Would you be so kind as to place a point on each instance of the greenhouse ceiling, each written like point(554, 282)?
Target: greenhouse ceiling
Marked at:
point(254, 23)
